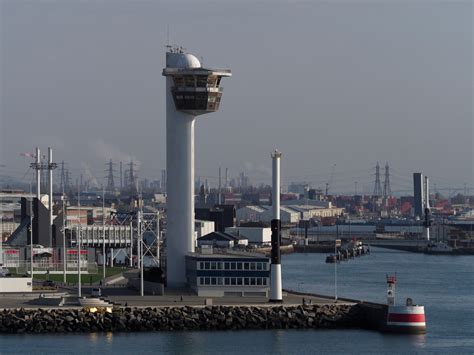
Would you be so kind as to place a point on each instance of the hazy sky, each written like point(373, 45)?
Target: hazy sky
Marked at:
point(326, 82)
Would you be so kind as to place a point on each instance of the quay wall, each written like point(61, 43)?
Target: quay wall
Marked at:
point(332, 316)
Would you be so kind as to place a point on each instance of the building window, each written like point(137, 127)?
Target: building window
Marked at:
point(219, 280)
point(252, 281)
point(201, 280)
point(252, 266)
point(259, 281)
point(239, 281)
point(208, 280)
point(219, 265)
point(201, 81)
point(233, 281)
point(259, 266)
point(232, 266)
point(200, 265)
point(189, 81)
point(239, 266)
point(246, 266)
point(206, 265)
point(226, 281)
point(226, 266)
point(246, 281)
point(213, 265)
point(264, 281)
point(213, 281)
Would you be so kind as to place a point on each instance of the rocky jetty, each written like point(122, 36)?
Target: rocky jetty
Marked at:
point(181, 318)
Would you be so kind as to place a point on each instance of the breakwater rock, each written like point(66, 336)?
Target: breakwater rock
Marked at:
point(182, 318)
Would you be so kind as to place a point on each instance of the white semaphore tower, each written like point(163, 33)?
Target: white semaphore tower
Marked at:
point(191, 90)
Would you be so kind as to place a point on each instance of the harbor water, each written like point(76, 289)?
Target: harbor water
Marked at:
point(443, 284)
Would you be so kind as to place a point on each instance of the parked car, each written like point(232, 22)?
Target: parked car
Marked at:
point(4, 272)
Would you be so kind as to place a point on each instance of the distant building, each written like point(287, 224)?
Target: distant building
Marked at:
point(222, 215)
point(217, 275)
point(289, 213)
point(222, 240)
point(203, 227)
point(418, 194)
point(255, 235)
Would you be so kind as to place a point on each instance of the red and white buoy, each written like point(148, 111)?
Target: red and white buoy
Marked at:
point(403, 319)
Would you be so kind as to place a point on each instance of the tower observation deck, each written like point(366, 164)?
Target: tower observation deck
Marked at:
point(191, 90)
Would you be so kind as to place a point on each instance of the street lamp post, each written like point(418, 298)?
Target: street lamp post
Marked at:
point(103, 234)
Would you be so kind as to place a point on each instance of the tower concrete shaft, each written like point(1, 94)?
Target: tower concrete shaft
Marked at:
point(190, 91)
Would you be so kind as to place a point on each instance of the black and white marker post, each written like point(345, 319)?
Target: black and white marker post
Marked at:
point(275, 271)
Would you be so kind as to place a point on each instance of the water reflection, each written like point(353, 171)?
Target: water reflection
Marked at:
point(93, 338)
point(418, 340)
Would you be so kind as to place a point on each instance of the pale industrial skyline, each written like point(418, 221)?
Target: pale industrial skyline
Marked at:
point(346, 83)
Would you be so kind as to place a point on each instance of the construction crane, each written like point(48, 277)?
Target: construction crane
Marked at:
point(328, 184)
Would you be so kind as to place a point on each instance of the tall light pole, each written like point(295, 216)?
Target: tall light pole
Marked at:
point(51, 166)
point(64, 238)
point(31, 239)
point(140, 250)
point(38, 173)
point(158, 238)
point(337, 243)
point(103, 233)
point(78, 237)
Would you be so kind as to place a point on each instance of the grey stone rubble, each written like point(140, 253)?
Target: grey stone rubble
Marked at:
point(182, 318)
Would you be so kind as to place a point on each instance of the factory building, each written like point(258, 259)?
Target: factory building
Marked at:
point(222, 240)
point(254, 235)
point(289, 214)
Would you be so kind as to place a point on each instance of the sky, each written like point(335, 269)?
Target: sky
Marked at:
point(344, 83)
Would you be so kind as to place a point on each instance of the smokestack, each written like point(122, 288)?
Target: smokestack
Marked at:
point(38, 173)
point(226, 181)
point(275, 270)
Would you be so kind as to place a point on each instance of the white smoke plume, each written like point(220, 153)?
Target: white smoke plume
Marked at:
point(90, 178)
point(106, 151)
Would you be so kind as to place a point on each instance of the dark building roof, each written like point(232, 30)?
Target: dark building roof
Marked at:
point(221, 237)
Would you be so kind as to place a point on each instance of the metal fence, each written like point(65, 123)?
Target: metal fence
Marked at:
point(56, 268)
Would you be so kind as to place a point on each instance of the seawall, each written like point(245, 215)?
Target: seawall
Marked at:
point(188, 318)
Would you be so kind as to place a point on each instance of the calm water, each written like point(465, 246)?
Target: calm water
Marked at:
point(444, 284)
